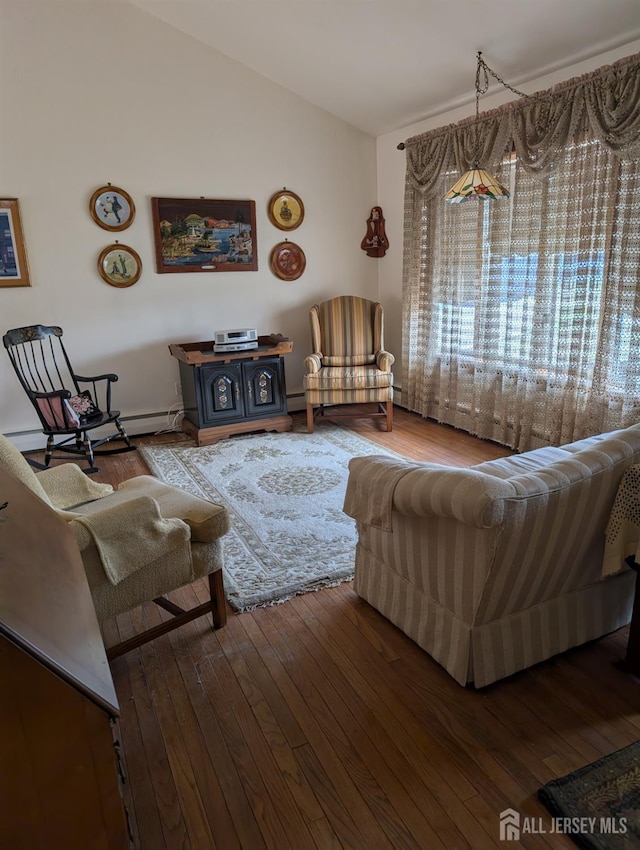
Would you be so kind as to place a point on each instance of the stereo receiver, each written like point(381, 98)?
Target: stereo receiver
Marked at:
point(235, 339)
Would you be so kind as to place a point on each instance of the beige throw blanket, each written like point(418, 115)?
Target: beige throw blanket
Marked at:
point(132, 533)
point(369, 496)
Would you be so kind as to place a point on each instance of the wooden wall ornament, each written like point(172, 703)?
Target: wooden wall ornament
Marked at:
point(287, 260)
point(375, 242)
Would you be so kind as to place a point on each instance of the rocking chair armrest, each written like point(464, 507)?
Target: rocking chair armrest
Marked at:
point(109, 377)
point(52, 394)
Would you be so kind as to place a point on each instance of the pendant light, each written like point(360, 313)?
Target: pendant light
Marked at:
point(476, 182)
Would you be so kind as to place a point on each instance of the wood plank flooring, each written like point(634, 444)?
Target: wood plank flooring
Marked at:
point(316, 724)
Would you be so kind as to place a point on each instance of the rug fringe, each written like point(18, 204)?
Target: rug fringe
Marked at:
point(301, 592)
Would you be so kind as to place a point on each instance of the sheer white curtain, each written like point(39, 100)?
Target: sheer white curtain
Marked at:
point(521, 318)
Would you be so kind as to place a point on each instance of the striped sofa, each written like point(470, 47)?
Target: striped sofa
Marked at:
point(348, 364)
point(496, 567)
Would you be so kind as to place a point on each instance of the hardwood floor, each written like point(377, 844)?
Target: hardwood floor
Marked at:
point(317, 724)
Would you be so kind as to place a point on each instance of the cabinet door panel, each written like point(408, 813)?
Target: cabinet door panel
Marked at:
point(222, 393)
point(264, 387)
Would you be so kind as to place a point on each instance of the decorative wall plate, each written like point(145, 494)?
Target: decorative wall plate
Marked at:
point(119, 265)
point(112, 208)
point(285, 210)
point(287, 260)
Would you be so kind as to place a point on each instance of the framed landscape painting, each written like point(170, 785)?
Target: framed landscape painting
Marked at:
point(14, 270)
point(204, 235)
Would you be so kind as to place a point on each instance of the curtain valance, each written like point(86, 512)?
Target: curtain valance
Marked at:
point(603, 105)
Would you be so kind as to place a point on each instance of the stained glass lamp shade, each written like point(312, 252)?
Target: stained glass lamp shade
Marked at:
point(476, 183)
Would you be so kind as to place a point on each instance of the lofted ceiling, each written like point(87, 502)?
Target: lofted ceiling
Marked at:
point(381, 65)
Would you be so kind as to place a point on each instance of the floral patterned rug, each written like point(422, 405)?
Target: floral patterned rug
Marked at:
point(284, 494)
point(600, 803)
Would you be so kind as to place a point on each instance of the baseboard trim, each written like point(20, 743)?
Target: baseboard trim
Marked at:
point(33, 440)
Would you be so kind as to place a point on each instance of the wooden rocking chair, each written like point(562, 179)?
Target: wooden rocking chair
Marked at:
point(68, 412)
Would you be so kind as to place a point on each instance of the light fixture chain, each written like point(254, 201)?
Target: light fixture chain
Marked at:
point(487, 70)
point(476, 182)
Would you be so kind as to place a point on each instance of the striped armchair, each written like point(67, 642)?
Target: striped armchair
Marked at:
point(348, 364)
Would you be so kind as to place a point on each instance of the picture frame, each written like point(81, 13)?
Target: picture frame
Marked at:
point(14, 268)
point(119, 265)
point(204, 235)
point(285, 210)
point(287, 260)
point(112, 208)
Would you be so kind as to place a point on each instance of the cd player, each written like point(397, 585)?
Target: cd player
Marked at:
point(235, 339)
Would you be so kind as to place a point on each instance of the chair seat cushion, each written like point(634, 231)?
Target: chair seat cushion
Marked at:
point(348, 378)
point(207, 520)
point(343, 360)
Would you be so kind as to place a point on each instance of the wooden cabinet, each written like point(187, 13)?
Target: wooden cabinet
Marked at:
point(60, 773)
point(233, 393)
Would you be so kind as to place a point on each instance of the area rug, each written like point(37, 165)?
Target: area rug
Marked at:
point(605, 793)
point(284, 494)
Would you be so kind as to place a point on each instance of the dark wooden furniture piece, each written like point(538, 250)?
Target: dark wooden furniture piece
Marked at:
point(60, 771)
point(631, 662)
point(234, 392)
point(70, 407)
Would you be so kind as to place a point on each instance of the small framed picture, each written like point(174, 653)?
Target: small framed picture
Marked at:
point(14, 270)
point(112, 208)
point(285, 210)
point(287, 260)
point(119, 265)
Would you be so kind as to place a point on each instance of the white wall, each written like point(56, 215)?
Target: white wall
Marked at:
point(391, 174)
point(97, 93)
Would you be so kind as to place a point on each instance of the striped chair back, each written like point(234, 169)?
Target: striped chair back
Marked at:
point(347, 330)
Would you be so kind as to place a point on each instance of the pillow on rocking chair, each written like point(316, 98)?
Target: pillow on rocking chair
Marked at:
point(58, 413)
point(62, 413)
point(83, 405)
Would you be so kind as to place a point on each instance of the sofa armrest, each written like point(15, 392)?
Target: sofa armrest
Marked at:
point(429, 489)
point(471, 497)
